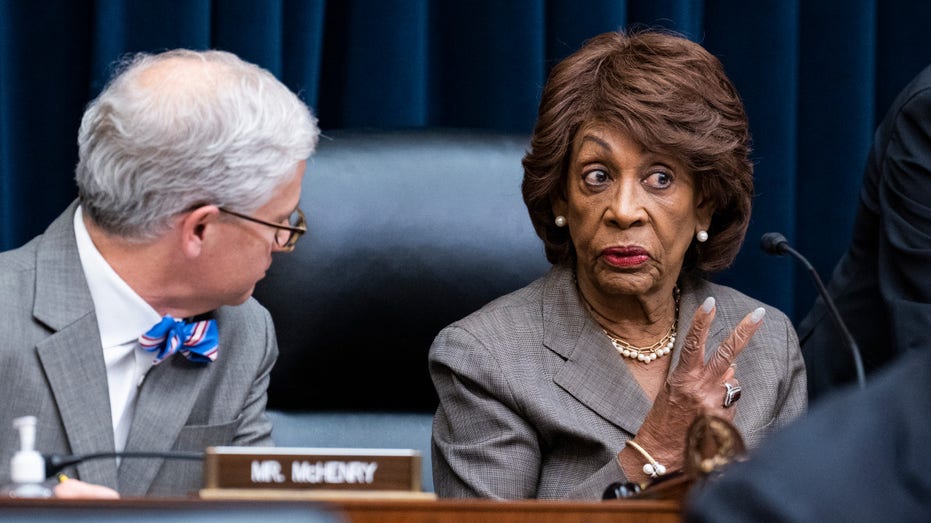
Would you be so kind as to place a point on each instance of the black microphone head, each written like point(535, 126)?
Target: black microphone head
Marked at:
point(774, 243)
point(619, 490)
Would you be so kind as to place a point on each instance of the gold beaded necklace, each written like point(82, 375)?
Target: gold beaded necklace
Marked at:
point(651, 352)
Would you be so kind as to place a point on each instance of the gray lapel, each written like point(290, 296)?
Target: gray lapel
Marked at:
point(165, 402)
point(593, 372)
point(72, 357)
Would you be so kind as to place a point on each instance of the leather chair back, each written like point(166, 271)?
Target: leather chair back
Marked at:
point(408, 232)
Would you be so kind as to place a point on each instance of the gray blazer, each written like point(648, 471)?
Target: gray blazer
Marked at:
point(535, 402)
point(52, 367)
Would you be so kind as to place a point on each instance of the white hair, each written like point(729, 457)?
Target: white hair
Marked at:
point(181, 129)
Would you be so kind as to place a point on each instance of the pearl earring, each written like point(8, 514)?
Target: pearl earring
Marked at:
point(702, 236)
point(560, 221)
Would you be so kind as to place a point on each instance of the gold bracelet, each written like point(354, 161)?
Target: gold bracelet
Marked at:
point(653, 469)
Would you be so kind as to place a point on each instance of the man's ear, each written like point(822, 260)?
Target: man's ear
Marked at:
point(195, 227)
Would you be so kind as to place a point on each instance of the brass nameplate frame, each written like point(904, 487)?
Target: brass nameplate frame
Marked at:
point(312, 468)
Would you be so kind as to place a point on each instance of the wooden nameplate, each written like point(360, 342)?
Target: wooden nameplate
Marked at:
point(331, 469)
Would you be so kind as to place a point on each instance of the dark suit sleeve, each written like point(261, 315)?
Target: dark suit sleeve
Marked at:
point(904, 201)
point(255, 429)
point(481, 445)
point(860, 455)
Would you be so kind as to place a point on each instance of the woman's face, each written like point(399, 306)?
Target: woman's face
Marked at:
point(631, 213)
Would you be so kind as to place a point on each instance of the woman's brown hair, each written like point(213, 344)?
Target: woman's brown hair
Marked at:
point(670, 95)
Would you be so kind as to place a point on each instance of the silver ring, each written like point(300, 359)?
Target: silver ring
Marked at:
point(731, 394)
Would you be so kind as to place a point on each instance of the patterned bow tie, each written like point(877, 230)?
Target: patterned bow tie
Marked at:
point(196, 340)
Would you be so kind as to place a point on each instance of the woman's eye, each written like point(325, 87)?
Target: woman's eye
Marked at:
point(659, 180)
point(596, 178)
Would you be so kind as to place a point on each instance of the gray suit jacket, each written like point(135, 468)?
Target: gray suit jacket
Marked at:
point(535, 402)
point(52, 367)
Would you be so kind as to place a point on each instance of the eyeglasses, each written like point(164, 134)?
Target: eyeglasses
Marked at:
point(287, 235)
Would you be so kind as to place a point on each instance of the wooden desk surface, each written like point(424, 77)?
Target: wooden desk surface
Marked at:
point(390, 510)
point(399, 506)
point(454, 511)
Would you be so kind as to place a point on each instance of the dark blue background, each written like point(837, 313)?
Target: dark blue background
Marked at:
point(816, 77)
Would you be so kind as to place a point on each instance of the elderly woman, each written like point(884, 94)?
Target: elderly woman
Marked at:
point(638, 182)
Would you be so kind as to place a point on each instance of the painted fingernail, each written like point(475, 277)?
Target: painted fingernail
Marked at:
point(757, 315)
point(707, 305)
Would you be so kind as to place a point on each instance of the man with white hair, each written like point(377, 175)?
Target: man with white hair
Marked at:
point(128, 326)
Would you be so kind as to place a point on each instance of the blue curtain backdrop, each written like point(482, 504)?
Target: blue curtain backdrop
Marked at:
point(816, 77)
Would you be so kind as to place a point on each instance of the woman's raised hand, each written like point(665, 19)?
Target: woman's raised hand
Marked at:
point(693, 388)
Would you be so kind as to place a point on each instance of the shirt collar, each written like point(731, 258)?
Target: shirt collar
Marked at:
point(122, 315)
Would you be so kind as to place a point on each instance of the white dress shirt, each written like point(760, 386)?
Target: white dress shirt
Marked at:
point(122, 316)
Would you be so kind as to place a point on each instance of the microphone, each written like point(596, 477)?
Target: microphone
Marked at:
point(618, 490)
point(776, 244)
point(55, 463)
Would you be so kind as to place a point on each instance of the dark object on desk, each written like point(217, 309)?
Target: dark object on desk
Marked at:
point(408, 231)
point(711, 444)
point(618, 490)
point(860, 455)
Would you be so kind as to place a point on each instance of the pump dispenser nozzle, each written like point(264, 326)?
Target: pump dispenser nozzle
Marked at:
point(27, 468)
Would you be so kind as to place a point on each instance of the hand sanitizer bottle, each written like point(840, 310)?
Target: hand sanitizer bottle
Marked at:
point(27, 468)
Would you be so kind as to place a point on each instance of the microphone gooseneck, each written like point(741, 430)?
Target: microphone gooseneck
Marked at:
point(775, 244)
point(55, 463)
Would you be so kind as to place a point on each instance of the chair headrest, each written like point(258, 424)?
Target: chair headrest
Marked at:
point(408, 231)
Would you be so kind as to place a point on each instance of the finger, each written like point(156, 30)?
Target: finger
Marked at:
point(728, 374)
point(76, 489)
point(729, 350)
point(693, 349)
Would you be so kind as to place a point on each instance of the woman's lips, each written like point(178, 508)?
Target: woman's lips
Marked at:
point(625, 256)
